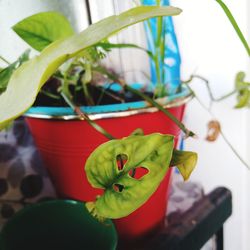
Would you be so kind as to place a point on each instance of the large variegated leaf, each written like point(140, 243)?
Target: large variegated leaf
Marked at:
point(26, 82)
point(123, 192)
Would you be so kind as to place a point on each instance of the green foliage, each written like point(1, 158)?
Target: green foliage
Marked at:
point(242, 88)
point(185, 161)
point(6, 73)
point(42, 29)
point(15, 101)
point(235, 25)
point(124, 193)
point(243, 91)
point(152, 152)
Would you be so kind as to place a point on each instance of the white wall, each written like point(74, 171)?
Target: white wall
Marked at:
point(13, 11)
point(209, 47)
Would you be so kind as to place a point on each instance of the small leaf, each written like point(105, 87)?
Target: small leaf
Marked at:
point(42, 29)
point(240, 77)
point(5, 74)
point(243, 99)
point(138, 131)
point(185, 161)
point(24, 57)
point(243, 92)
point(123, 193)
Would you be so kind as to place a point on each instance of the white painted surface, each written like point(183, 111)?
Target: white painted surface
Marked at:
point(209, 47)
point(12, 11)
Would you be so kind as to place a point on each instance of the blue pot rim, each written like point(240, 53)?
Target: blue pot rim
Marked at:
point(101, 111)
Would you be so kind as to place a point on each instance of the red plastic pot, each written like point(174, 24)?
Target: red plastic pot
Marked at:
point(65, 146)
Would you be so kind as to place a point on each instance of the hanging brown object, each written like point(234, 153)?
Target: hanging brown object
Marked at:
point(213, 130)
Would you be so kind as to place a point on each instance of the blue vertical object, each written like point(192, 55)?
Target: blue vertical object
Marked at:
point(170, 64)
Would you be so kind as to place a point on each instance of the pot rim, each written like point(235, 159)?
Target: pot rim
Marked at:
point(96, 116)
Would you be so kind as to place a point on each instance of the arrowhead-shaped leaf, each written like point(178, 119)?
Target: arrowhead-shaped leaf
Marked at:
point(26, 82)
point(43, 28)
point(124, 191)
point(185, 161)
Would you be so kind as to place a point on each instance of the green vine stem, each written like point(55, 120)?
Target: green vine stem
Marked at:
point(92, 123)
point(4, 60)
point(229, 144)
point(84, 116)
point(210, 93)
point(161, 108)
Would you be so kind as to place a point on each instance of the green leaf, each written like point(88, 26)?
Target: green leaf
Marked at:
point(138, 131)
point(242, 88)
point(235, 25)
point(5, 74)
point(124, 193)
point(42, 29)
point(24, 57)
point(31, 76)
point(243, 99)
point(87, 76)
point(185, 161)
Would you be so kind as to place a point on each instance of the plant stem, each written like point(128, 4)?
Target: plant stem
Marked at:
point(106, 92)
point(221, 132)
point(4, 60)
point(49, 94)
point(235, 25)
point(84, 116)
point(211, 96)
point(162, 52)
point(165, 111)
point(158, 56)
point(87, 95)
point(93, 124)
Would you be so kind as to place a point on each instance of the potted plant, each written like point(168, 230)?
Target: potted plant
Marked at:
point(129, 169)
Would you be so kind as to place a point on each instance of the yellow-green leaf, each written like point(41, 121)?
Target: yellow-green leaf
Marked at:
point(124, 191)
point(185, 161)
point(26, 82)
point(44, 28)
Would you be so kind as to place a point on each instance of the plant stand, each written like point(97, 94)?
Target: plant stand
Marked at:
point(192, 229)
